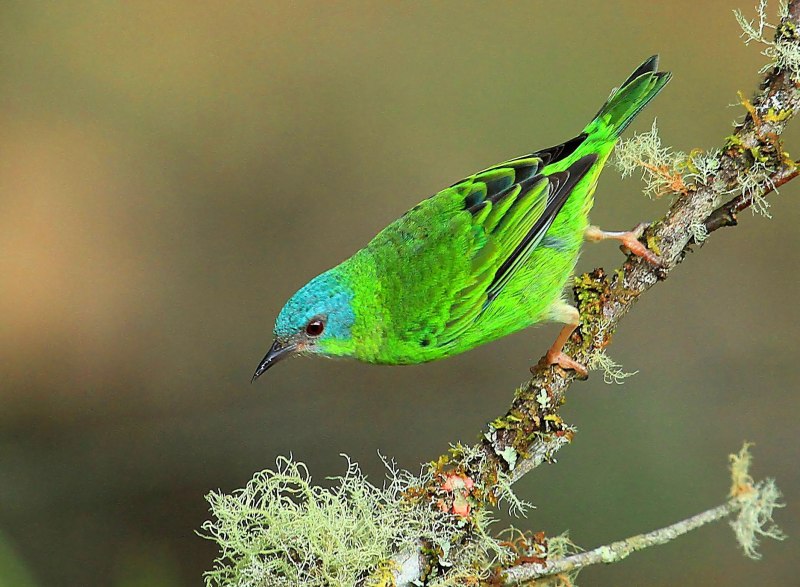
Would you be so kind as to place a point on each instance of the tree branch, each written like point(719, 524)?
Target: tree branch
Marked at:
point(753, 502)
point(531, 427)
point(751, 165)
point(617, 551)
point(726, 215)
point(433, 526)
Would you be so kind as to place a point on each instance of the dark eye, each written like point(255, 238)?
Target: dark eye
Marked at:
point(315, 327)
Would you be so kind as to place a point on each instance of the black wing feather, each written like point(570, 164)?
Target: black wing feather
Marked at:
point(561, 186)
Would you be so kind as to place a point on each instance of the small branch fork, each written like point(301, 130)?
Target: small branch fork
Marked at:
point(752, 502)
point(619, 550)
point(726, 215)
point(531, 432)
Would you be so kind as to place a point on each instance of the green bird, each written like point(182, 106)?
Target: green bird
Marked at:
point(479, 260)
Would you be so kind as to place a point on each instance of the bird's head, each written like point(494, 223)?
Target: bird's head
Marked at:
point(315, 320)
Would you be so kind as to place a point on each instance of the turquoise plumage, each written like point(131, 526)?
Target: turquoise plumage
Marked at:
point(481, 259)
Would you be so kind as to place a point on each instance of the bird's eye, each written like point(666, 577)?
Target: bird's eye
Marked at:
point(315, 327)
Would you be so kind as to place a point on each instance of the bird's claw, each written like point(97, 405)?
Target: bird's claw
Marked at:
point(565, 362)
point(630, 241)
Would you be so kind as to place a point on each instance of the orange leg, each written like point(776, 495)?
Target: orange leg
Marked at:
point(569, 315)
point(629, 240)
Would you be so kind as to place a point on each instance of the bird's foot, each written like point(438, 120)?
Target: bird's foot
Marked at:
point(563, 312)
point(629, 239)
point(558, 357)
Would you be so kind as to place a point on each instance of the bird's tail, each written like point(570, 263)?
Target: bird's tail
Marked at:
point(627, 101)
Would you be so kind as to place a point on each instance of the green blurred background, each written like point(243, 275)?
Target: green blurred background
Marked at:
point(170, 172)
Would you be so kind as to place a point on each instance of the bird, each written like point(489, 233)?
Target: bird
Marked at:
point(479, 260)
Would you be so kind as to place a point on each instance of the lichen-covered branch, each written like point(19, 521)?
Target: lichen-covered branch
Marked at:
point(752, 502)
point(750, 165)
point(616, 551)
point(531, 430)
point(431, 529)
point(727, 214)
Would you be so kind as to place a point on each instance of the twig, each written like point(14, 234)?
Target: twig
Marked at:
point(619, 550)
point(726, 215)
point(752, 502)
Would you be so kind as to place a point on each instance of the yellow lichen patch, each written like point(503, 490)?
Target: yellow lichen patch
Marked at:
point(786, 31)
point(741, 481)
point(788, 160)
point(652, 244)
point(733, 143)
point(751, 110)
point(689, 162)
point(772, 116)
point(555, 419)
point(383, 575)
point(590, 291)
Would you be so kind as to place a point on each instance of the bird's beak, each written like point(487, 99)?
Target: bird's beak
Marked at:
point(277, 351)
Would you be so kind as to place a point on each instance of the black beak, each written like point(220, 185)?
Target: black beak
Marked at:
point(276, 352)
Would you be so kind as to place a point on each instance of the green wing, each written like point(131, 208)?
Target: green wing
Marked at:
point(512, 206)
point(488, 255)
point(431, 275)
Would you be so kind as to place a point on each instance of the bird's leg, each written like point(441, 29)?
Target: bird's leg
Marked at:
point(629, 240)
point(569, 315)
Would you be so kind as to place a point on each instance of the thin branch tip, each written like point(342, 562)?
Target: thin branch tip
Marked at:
point(752, 502)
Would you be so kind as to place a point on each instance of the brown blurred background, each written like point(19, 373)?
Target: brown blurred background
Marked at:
point(170, 172)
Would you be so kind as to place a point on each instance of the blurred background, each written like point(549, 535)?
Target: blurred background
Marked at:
point(171, 172)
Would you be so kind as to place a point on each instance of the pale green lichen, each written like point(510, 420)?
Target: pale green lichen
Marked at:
point(698, 230)
point(282, 530)
point(782, 51)
point(516, 507)
point(467, 456)
point(612, 371)
point(543, 399)
point(752, 30)
point(697, 224)
point(474, 458)
point(702, 166)
point(753, 183)
point(509, 455)
point(758, 500)
point(755, 518)
point(659, 165)
point(559, 547)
